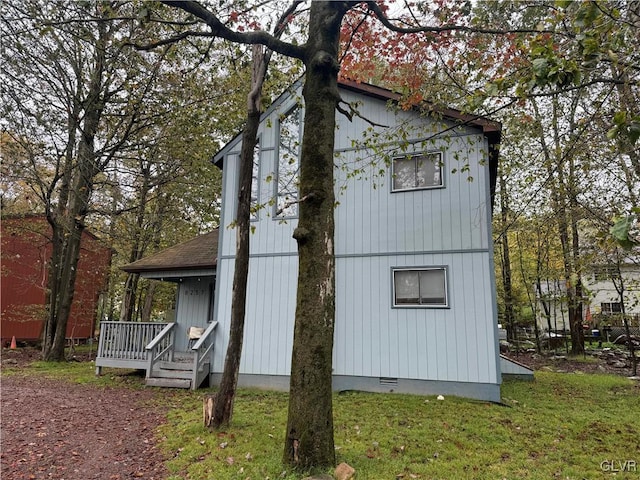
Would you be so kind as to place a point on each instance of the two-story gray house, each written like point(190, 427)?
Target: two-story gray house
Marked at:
point(415, 288)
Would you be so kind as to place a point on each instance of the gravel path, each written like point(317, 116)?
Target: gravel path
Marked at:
point(51, 429)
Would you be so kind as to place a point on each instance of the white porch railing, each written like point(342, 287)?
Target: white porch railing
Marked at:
point(151, 347)
point(125, 343)
point(202, 354)
point(161, 348)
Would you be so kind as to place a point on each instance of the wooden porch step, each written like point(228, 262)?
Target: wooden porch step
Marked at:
point(168, 382)
point(171, 373)
point(183, 357)
point(175, 366)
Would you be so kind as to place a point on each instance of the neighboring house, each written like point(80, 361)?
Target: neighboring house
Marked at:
point(551, 306)
point(604, 300)
point(415, 293)
point(602, 305)
point(26, 251)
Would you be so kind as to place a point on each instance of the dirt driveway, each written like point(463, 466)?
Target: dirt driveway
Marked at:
point(51, 429)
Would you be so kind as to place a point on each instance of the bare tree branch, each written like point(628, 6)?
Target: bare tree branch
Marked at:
point(290, 203)
point(218, 29)
point(375, 8)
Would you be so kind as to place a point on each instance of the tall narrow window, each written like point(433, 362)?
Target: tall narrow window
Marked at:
point(413, 172)
point(212, 294)
point(255, 182)
point(424, 287)
point(288, 164)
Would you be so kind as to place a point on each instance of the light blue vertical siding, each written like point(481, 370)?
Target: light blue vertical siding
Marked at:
point(375, 220)
point(268, 333)
point(375, 231)
point(192, 309)
point(449, 344)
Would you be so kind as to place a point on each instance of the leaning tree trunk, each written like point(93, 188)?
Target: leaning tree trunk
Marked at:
point(561, 194)
point(50, 323)
point(218, 410)
point(309, 436)
point(632, 350)
point(577, 345)
point(55, 218)
point(619, 284)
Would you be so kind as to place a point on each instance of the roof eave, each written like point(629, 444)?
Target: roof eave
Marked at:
point(489, 127)
point(161, 268)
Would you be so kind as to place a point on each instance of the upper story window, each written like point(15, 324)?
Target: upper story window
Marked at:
point(420, 287)
point(603, 273)
point(288, 164)
point(417, 171)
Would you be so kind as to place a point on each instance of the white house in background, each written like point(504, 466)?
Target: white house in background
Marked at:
point(415, 288)
point(602, 301)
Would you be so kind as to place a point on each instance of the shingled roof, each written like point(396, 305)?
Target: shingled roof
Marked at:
point(198, 253)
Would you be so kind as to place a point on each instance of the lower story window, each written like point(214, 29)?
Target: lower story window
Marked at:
point(423, 287)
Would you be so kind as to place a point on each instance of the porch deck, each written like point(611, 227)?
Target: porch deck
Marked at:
point(150, 346)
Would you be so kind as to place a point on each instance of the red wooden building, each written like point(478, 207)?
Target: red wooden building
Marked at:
point(25, 254)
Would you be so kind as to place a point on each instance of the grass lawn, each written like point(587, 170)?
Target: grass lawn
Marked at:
point(565, 426)
point(559, 426)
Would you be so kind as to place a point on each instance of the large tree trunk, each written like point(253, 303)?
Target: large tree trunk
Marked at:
point(50, 323)
point(56, 219)
point(309, 436)
point(136, 253)
point(129, 297)
point(63, 272)
point(147, 304)
point(69, 222)
point(218, 410)
point(224, 399)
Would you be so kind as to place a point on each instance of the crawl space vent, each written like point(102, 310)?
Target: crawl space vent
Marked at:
point(388, 382)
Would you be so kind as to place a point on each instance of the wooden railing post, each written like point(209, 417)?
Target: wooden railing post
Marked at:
point(101, 345)
point(161, 345)
point(201, 350)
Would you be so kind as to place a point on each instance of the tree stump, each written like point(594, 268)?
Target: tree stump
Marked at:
point(208, 403)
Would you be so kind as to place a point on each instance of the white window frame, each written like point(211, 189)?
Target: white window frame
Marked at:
point(605, 273)
point(255, 181)
point(419, 304)
point(292, 210)
point(416, 156)
point(611, 308)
